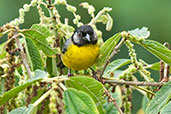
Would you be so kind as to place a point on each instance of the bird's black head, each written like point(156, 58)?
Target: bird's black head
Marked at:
point(84, 35)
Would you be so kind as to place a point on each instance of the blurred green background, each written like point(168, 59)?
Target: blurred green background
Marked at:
point(127, 15)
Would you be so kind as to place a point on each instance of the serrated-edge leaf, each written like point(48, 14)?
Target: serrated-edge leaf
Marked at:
point(14, 91)
point(158, 50)
point(107, 48)
point(91, 86)
point(34, 56)
point(24, 110)
point(51, 66)
point(19, 110)
point(114, 65)
point(40, 41)
point(140, 33)
point(167, 109)
point(160, 99)
point(145, 102)
point(41, 29)
point(78, 102)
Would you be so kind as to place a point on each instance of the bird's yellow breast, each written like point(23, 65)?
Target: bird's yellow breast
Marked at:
point(80, 58)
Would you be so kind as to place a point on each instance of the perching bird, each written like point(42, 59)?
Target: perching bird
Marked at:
point(81, 50)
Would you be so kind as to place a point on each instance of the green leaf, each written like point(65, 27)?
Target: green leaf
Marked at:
point(167, 109)
point(79, 102)
point(117, 73)
point(41, 29)
point(145, 102)
point(90, 86)
point(140, 33)
point(51, 66)
point(13, 92)
point(107, 48)
point(34, 56)
point(40, 41)
point(2, 52)
point(24, 110)
point(160, 99)
point(114, 65)
point(155, 66)
point(158, 50)
point(2, 85)
point(109, 107)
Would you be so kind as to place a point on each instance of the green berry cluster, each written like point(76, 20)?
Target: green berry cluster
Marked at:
point(53, 99)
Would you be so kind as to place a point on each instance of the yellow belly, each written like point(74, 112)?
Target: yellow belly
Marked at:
point(80, 58)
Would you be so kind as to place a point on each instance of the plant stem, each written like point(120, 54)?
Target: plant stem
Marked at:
point(58, 78)
point(42, 97)
point(52, 15)
point(112, 54)
point(111, 99)
point(62, 86)
point(23, 56)
point(143, 89)
point(145, 77)
point(133, 83)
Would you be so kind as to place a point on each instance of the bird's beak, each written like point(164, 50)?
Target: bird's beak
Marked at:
point(87, 37)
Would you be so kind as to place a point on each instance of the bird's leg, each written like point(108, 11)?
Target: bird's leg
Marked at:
point(94, 74)
point(69, 72)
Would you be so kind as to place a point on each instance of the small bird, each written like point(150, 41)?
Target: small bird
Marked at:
point(81, 50)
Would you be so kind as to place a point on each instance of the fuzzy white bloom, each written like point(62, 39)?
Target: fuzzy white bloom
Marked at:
point(80, 24)
point(107, 9)
point(71, 8)
point(16, 21)
point(26, 7)
point(91, 10)
point(21, 11)
point(75, 21)
point(33, 2)
point(78, 17)
point(85, 5)
point(60, 2)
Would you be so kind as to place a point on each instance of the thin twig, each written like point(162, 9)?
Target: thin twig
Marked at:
point(143, 89)
point(23, 56)
point(111, 99)
point(53, 17)
point(42, 97)
point(62, 86)
point(134, 83)
point(112, 54)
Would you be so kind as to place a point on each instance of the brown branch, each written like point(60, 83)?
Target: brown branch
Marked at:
point(23, 56)
point(115, 51)
point(133, 83)
point(161, 70)
point(111, 99)
point(164, 68)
